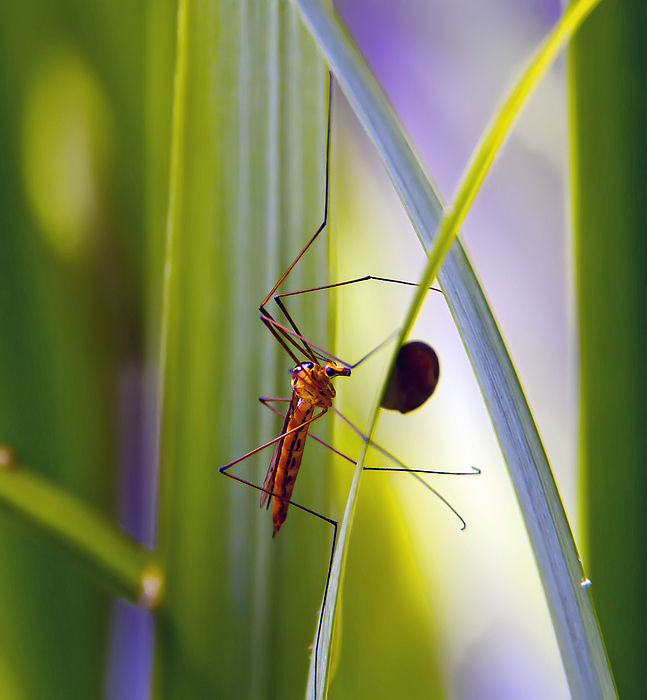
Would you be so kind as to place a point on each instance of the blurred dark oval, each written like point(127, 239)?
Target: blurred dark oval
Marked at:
point(413, 379)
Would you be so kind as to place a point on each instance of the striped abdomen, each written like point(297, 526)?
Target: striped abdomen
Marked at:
point(289, 461)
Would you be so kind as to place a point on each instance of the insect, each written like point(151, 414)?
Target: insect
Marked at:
point(412, 382)
point(311, 388)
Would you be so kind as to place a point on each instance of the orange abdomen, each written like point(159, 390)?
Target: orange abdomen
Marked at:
point(288, 464)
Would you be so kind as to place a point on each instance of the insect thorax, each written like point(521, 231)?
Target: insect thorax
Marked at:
point(311, 384)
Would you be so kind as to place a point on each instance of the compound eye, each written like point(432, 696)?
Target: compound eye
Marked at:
point(330, 372)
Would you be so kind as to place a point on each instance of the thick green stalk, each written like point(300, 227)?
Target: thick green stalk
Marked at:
point(608, 70)
point(246, 193)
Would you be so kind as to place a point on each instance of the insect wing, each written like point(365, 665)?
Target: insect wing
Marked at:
point(268, 483)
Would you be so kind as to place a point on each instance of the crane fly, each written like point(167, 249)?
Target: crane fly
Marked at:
point(311, 388)
point(412, 381)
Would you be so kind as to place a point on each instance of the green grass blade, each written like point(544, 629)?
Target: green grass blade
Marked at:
point(246, 193)
point(571, 608)
point(607, 97)
point(117, 560)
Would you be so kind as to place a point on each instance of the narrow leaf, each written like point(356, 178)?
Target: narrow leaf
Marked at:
point(609, 174)
point(118, 560)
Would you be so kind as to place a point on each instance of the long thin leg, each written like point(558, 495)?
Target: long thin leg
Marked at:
point(365, 278)
point(324, 222)
point(404, 468)
point(291, 335)
point(279, 297)
point(265, 315)
point(283, 334)
point(317, 351)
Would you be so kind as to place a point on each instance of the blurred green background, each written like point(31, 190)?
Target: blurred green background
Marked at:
point(72, 249)
point(86, 126)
